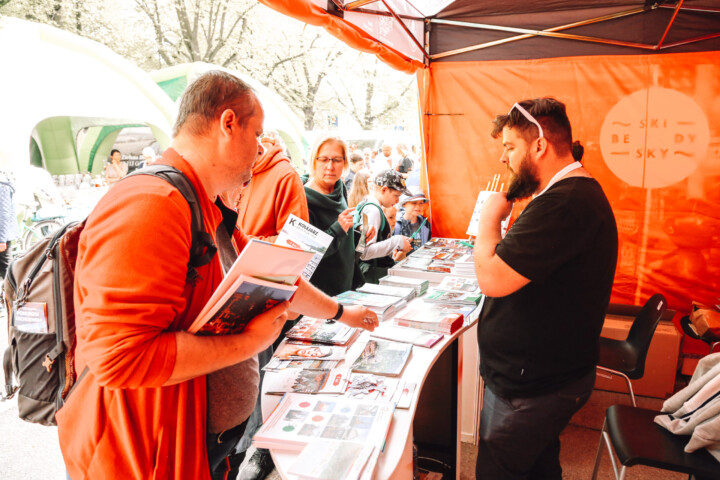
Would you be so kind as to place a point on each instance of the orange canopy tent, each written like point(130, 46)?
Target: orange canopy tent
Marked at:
point(641, 81)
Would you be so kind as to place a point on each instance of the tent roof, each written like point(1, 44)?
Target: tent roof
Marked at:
point(426, 31)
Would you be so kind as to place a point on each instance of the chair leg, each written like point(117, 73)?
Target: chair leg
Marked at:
point(623, 470)
point(618, 475)
point(632, 395)
point(598, 456)
point(627, 380)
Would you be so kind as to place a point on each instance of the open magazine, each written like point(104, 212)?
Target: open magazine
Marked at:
point(262, 276)
point(297, 233)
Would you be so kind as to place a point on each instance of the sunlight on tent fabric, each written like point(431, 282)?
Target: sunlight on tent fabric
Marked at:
point(49, 73)
point(278, 116)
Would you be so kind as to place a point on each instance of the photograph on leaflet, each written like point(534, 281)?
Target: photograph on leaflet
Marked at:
point(263, 275)
point(319, 330)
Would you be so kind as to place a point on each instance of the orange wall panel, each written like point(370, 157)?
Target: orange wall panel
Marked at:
point(650, 125)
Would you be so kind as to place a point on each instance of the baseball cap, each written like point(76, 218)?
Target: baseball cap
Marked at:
point(416, 195)
point(392, 179)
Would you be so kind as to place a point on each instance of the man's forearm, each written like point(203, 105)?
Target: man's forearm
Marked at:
point(310, 301)
point(201, 355)
point(488, 237)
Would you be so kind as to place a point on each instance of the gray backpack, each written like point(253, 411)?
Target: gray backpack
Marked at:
point(38, 297)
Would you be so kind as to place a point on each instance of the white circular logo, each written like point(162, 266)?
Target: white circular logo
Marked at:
point(654, 137)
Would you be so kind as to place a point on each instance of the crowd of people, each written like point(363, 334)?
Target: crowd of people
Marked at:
point(219, 144)
point(143, 406)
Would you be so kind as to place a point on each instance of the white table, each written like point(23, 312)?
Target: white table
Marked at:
point(432, 418)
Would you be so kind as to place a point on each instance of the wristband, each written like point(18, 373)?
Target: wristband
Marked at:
point(339, 312)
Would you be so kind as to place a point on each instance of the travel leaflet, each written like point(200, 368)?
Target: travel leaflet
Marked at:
point(297, 233)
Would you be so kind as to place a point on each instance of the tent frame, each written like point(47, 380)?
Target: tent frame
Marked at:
point(554, 32)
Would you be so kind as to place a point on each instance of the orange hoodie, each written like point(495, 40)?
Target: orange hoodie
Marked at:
point(274, 192)
point(131, 299)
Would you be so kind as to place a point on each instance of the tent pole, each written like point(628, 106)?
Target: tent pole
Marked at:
point(691, 8)
point(690, 40)
point(358, 4)
point(404, 27)
point(672, 20)
point(550, 32)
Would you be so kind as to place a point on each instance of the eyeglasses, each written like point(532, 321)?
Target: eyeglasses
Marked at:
point(529, 117)
point(333, 159)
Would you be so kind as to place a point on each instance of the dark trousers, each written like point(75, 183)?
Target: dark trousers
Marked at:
point(220, 447)
point(520, 437)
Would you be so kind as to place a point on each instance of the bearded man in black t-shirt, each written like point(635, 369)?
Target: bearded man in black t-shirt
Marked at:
point(548, 283)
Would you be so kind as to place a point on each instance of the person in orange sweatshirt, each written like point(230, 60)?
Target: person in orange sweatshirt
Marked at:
point(274, 192)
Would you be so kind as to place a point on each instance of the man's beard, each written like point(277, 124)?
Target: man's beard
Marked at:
point(523, 183)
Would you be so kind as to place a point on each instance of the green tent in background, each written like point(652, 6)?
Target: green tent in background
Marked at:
point(278, 116)
point(65, 99)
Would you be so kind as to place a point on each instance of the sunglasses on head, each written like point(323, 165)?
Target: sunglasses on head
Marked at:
point(529, 117)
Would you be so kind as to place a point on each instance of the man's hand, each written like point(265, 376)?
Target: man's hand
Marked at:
point(495, 209)
point(266, 327)
point(3, 247)
point(371, 232)
point(398, 255)
point(345, 219)
point(495, 277)
point(359, 317)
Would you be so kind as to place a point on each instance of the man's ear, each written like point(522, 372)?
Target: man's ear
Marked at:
point(542, 146)
point(227, 122)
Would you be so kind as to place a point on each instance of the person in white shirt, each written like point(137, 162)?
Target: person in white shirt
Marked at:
point(384, 160)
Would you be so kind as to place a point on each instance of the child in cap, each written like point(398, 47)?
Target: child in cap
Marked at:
point(411, 219)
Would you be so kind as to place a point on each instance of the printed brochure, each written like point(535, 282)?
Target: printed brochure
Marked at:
point(297, 233)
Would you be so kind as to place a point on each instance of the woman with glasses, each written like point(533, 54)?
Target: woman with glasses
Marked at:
point(328, 208)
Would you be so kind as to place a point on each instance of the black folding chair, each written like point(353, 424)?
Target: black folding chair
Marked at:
point(626, 358)
point(638, 440)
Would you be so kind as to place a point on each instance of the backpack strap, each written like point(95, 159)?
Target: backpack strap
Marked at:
point(364, 204)
point(202, 249)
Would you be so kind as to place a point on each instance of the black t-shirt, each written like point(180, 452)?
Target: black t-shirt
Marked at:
point(545, 335)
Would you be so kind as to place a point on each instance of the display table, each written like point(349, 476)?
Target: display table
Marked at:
point(432, 419)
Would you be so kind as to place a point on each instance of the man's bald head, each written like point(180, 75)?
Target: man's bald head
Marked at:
point(208, 97)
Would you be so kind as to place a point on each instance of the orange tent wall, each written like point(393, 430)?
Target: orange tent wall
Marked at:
point(650, 125)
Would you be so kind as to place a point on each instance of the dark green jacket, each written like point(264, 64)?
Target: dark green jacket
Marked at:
point(335, 272)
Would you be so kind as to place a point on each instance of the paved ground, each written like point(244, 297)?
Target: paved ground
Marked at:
point(27, 451)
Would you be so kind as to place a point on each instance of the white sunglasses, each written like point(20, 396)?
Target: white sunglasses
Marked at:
point(529, 117)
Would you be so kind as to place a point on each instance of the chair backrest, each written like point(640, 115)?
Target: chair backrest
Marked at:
point(643, 329)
